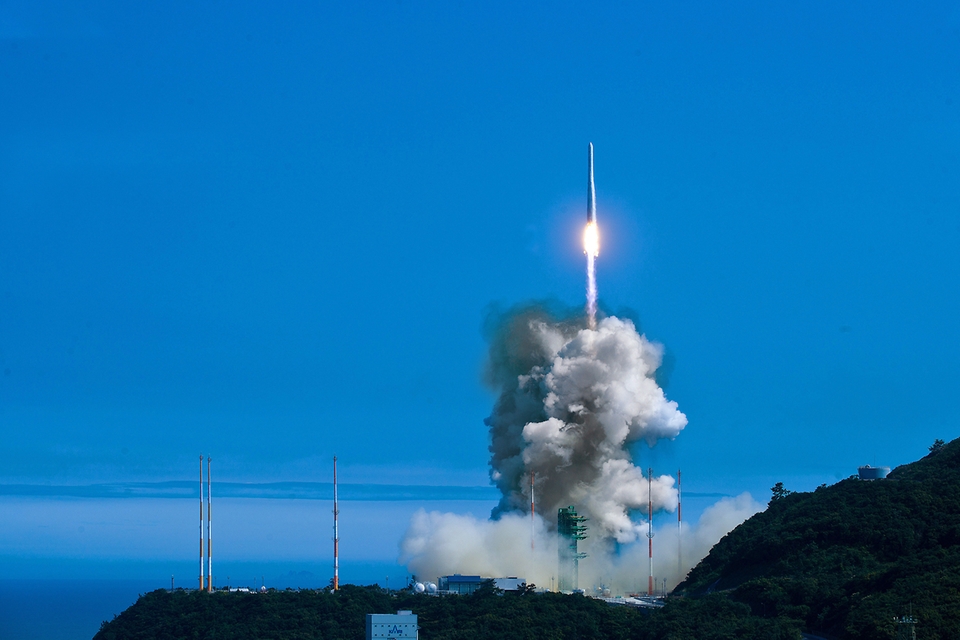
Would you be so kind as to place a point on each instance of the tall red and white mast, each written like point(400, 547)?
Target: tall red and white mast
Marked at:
point(209, 531)
point(201, 522)
point(533, 523)
point(650, 527)
point(679, 529)
point(336, 531)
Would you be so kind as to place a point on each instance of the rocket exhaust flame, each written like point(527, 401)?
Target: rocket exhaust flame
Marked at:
point(591, 240)
point(591, 293)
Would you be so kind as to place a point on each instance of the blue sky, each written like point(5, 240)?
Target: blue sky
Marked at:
point(271, 234)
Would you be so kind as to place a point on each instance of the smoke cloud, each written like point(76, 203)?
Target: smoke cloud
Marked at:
point(573, 400)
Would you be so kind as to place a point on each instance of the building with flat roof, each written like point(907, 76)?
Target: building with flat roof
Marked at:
point(389, 626)
point(459, 584)
point(464, 585)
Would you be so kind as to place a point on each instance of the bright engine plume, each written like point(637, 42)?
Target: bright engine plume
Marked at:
point(591, 240)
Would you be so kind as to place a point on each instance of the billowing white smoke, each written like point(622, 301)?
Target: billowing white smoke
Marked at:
point(572, 402)
point(444, 543)
point(569, 408)
point(628, 570)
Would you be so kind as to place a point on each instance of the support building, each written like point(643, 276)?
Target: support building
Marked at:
point(388, 626)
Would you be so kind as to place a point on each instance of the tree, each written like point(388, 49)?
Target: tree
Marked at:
point(488, 588)
point(936, 446)
point(779, 492)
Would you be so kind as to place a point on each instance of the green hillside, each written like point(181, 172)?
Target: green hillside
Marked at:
point(846, 559)
point(316, 615)
point(838, 562)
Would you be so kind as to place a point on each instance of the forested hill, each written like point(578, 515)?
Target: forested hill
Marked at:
point(316, 615)
point(844, 560)
point(839, 562)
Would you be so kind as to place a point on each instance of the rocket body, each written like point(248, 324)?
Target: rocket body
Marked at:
point(591, 243)
point(591, 191)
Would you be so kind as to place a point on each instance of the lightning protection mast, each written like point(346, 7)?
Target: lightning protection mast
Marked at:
point(209, 531)
point(650, 527)
point(679, 530)
point(336, 531)
point(201, 522)
point(533, 525)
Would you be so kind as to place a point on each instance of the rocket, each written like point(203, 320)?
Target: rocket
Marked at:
point(591, 190)
point(591, 236)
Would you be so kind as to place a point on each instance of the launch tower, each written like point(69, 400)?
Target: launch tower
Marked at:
point(571, 530)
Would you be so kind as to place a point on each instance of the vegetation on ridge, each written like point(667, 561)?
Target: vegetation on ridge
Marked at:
point(844, 560)
point(316, 615)
point(840, 562)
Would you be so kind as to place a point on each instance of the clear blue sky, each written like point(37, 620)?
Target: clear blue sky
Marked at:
point(271, 232)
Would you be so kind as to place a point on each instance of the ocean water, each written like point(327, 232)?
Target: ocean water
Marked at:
point(73, 609)
point(64, 609)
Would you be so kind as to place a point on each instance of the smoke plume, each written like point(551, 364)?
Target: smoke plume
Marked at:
point(573, 400)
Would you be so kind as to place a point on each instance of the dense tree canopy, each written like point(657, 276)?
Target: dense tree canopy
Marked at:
point(845, 560)
point(316, 615)
point(841, 561)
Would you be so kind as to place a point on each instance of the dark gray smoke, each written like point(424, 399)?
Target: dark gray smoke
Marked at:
point(572, 401)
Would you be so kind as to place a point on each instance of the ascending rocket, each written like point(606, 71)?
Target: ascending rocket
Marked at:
point(591, 191)
point(591, 236)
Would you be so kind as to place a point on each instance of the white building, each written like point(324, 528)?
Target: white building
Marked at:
point(389, 626)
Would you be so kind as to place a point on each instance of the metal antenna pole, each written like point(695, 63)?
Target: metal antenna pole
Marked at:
point(201, 522)
point(336, 531)
point(650, 527)
point(209, 532)
point(679, 530)
point(533, 477)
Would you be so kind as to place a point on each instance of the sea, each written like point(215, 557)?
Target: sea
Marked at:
point(64, 609)
point(74, 609)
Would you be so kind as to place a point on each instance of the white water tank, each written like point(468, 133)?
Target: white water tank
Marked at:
point(873, 473)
